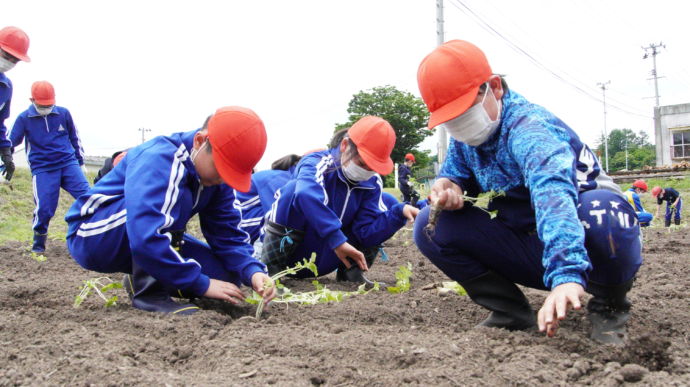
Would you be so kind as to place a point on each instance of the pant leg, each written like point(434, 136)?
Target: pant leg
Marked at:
point(679, 207)
point(100, 242)
point(211, 265)
point(46, 186)
point(644, 218)
point(468, 243)
point(74, 181)
point(612, 236)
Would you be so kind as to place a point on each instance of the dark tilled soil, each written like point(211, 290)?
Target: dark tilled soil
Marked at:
point(383, 339)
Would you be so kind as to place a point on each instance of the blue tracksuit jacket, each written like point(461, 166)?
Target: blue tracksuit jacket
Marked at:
point(52, 141)
point(155, 189)
point(542, 166)
point(331, 210)
point(5, 99)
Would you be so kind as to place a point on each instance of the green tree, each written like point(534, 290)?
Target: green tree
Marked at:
point(640, 152)
point(405, 112)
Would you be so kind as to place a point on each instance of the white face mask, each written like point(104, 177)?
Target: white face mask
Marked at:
point(356, 173)
point(44, 111)
point(195, 152)
point(6, 65)
point(474, 126)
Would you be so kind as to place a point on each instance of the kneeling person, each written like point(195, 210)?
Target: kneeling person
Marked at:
point(133, 220)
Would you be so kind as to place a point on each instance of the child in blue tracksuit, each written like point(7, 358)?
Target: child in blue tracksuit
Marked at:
point(333, 205)
point(133, 220)
point(55, 155)
point(410, 194)
point(14, 44)
point(674, 204)
point(633, 195)
point(562, 224)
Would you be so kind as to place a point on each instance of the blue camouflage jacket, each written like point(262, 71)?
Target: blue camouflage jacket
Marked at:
point(541, 165)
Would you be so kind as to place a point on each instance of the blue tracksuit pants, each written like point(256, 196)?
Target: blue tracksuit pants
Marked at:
point(46, 186)
point(468, 243)
point(116, 256)
point(670, 211)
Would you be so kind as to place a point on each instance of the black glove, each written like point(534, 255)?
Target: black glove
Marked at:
point(6, 157)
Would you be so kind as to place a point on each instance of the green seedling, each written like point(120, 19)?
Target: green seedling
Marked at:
point(402, 279)
point(453, 287)
point(97, 285)
point(38, 257)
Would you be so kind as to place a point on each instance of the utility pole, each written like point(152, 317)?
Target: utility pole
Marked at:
point(606, 136)
point(653, 48)
point(143, 130)
point(440, 38)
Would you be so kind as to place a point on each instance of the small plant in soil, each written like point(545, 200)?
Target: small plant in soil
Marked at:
point(321, 294)
point(100, 285)
point(402, 279)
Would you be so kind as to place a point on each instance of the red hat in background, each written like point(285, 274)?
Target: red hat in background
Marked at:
point(15, 42)
point(656, 191)
point(641, 184)
point(238, 141)
point(43, 93)
point(449, 79)
point(410, 156)
point(375, 139)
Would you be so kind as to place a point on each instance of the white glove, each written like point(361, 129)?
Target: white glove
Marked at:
point(409, 184)
point(83, 169)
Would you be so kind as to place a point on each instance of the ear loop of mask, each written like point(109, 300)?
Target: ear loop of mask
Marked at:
point(195, 152)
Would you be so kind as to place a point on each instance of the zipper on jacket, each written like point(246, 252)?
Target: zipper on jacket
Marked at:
point(198, 194)
point(347, 198)
point(47, 127)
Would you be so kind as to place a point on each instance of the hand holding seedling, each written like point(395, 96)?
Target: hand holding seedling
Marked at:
point(224, 291)
point(446, 195)
point(347, 250)
point(561, 298)
point(410, 212)
point(263, 284)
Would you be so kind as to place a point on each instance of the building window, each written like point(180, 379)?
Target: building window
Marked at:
point(681, 144)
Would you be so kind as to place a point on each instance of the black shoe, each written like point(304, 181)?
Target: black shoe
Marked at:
point(508, 305)
point(354, 273)
point(676, 222)
point(39, 245)
point(608, 311)
point(149, 294)
point(667, 222)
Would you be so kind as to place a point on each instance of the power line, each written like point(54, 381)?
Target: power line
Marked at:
point(486, 26)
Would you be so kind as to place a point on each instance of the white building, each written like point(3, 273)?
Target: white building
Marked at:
point(672, 134)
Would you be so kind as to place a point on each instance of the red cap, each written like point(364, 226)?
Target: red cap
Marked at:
point(43, 93)
point(238, 141)
point(656, 191)
point(410, 156)
point(641, 184)
point(15, 42)
point(449, 79)
point(375, 139)
point(119, 158)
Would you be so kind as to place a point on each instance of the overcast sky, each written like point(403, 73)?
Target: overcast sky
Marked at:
point(166, 65)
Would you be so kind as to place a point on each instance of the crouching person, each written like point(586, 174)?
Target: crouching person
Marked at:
point(562, 226)
point(333, 206)
point(133, 220)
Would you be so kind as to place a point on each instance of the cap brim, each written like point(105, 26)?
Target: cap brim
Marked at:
point(241, 181)
point(45, 102)
point(15, 54)
point(382, 167)
point(453, 108)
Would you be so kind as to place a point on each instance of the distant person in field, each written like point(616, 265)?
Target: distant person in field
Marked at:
point(134, 220)
point(14, 47)
point(55, 155)
point(410, 194)
point(108, 164)
point(333, 206)
point(633, 195)
point(674, 204)
point(562, 224)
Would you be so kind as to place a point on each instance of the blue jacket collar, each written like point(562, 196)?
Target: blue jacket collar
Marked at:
point(4, 80)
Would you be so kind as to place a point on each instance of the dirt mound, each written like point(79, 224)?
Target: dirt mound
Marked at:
point(382, 339)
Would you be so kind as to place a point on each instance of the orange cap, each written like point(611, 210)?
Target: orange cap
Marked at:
point(238, 140)
point(449, 79)
point(641, 184)
point(656, 191)
point(119, 158)
point(410, 156)
point(375, 139)
point(15, 42)
point(43, 93)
